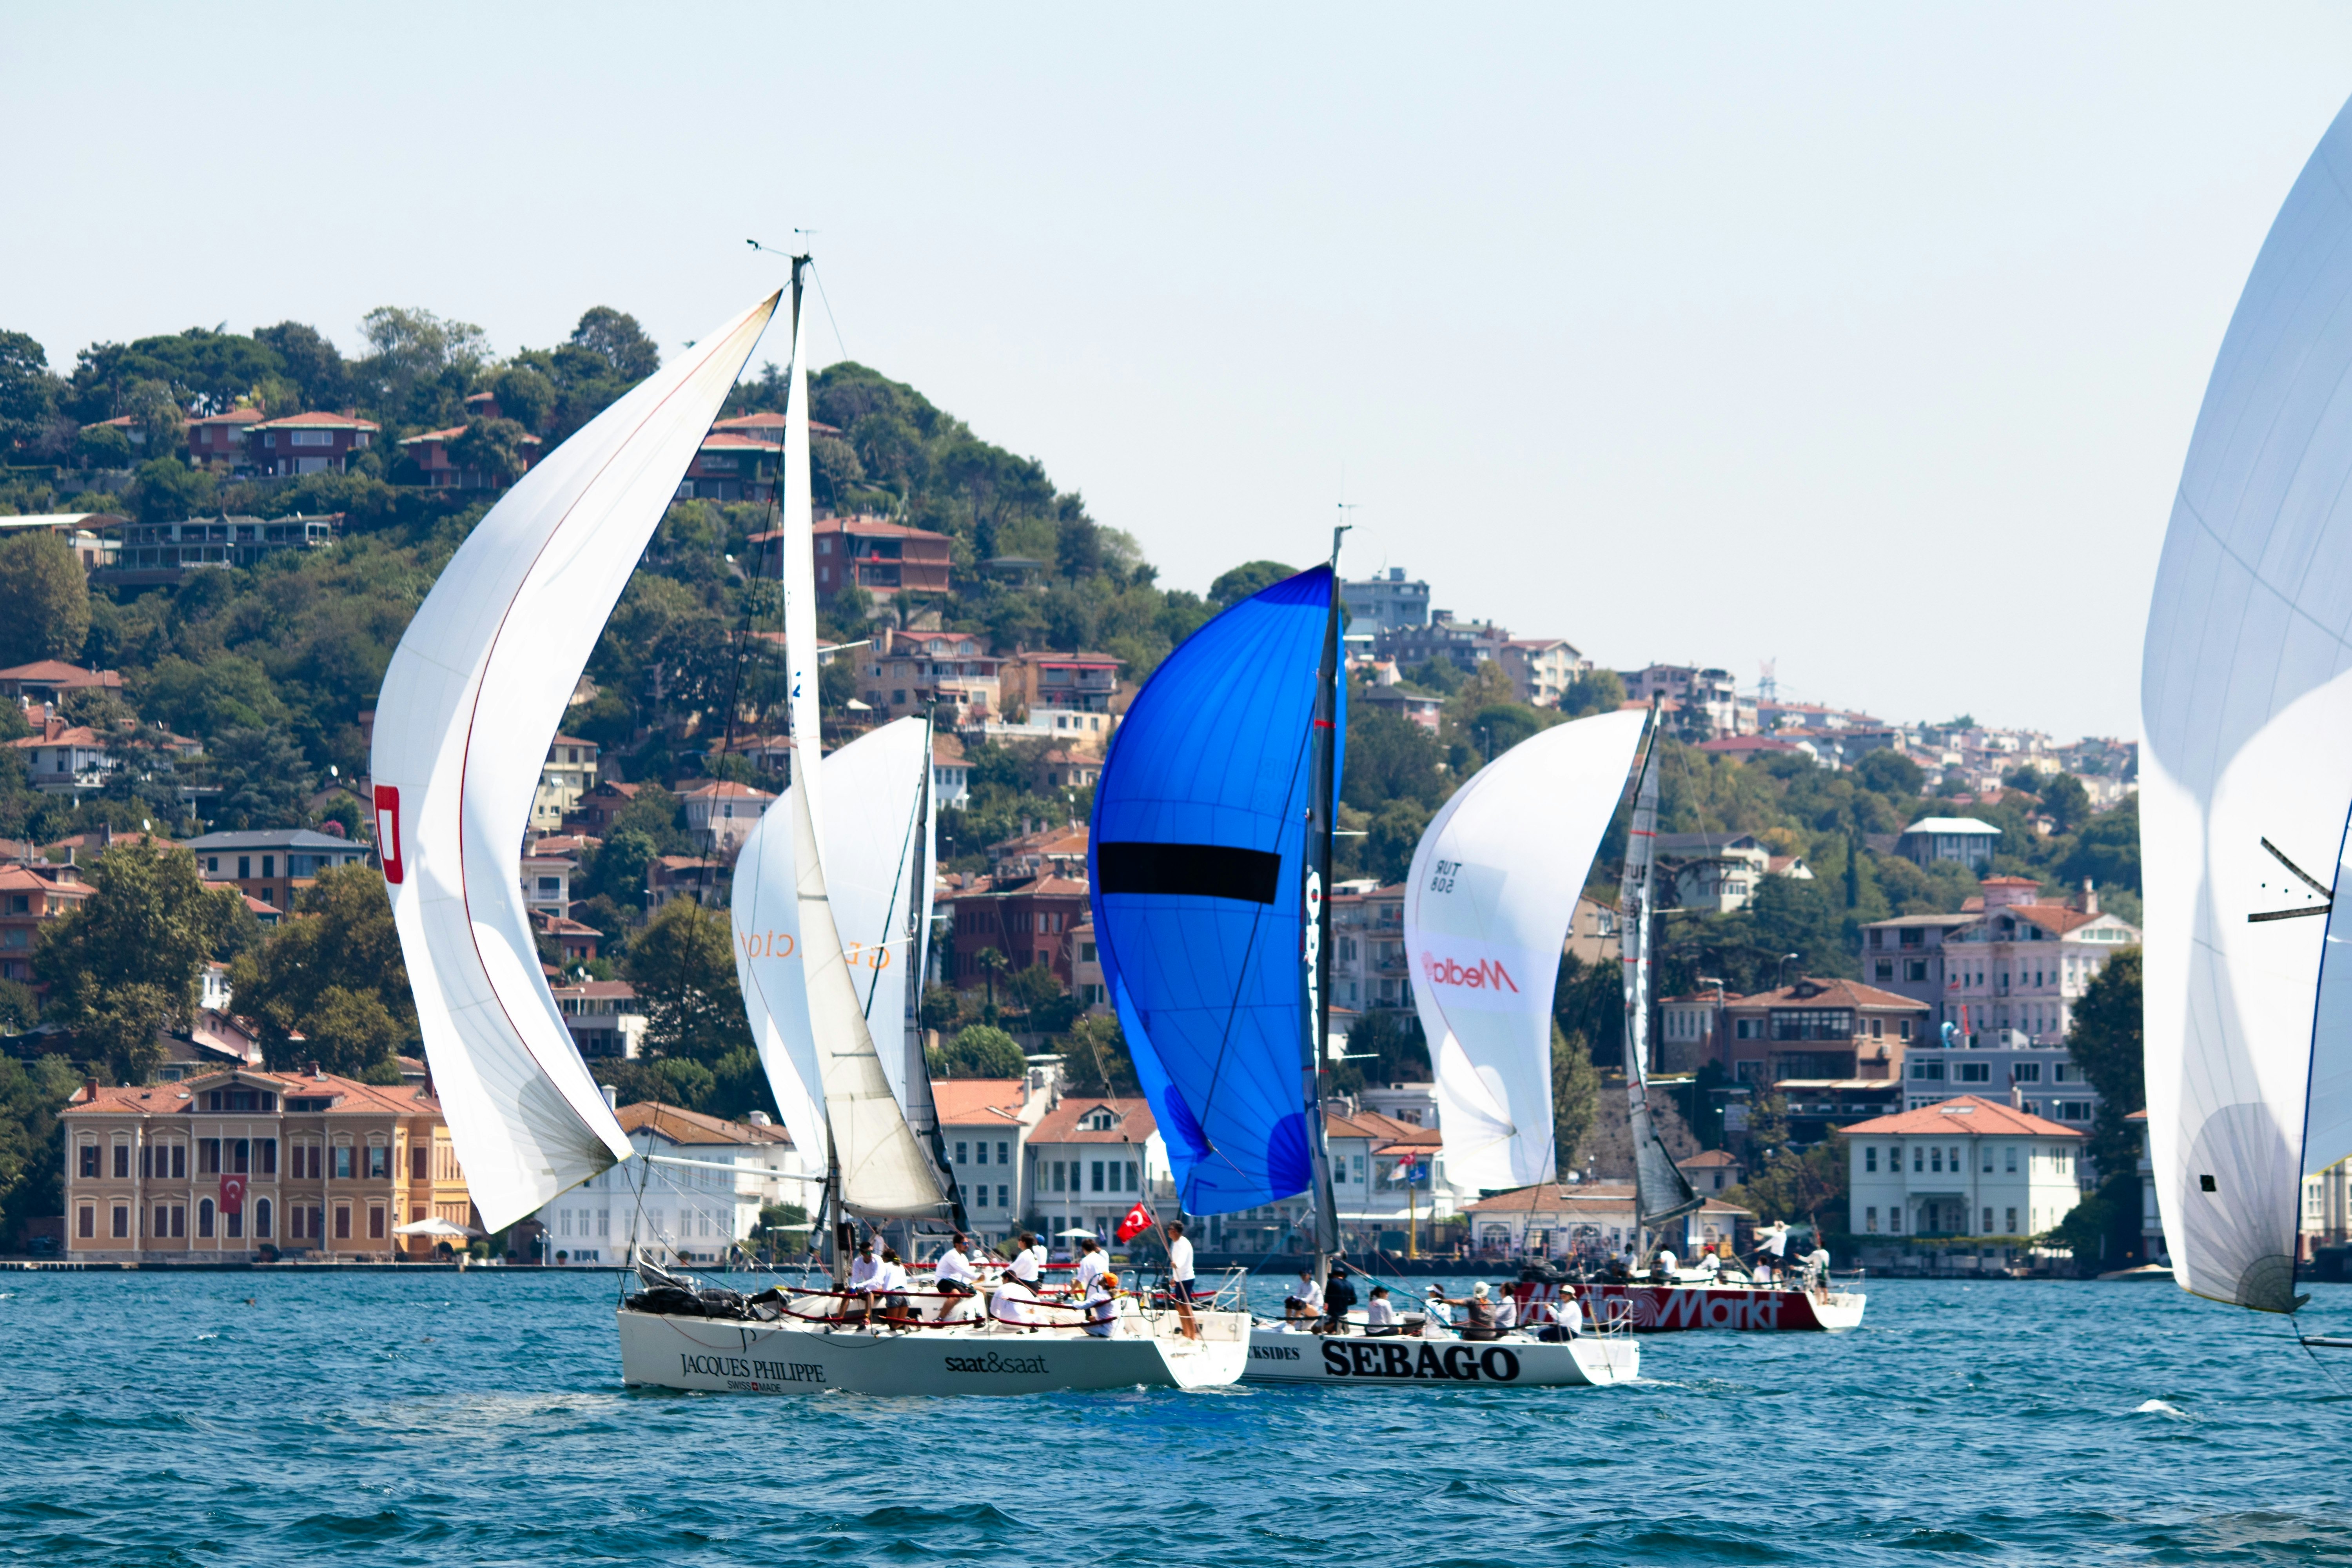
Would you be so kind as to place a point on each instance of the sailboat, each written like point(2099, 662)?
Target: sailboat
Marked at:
point(2246, 772)
point(810, 996)
point(1493, 888)
point(1210, 858)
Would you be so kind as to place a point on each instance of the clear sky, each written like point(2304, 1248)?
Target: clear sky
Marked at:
point(1868, 338)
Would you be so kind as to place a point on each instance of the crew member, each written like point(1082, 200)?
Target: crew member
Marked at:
point(1180, 1276)
point(1093, 1264)
point(1379, 1314)
point(1479, 1306)
point(1662, 1269)
point(1817, 1267)
point(1102, 1305)
point(1013, 1304)
point(891, 1285)
point(1338, 1298)
point(1029, 1260)
point(862, 1269)
point(1306, 1297)
point(1507, 1310)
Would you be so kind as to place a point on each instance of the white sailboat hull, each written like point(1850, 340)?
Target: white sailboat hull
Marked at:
point(717, 1355)
point(1282, 1354)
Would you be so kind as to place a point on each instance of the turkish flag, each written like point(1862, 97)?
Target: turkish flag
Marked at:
point(1139, 1220)
point(232, 1196)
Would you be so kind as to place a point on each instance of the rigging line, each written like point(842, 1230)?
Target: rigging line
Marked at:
point(837, 341)
point(897, 878)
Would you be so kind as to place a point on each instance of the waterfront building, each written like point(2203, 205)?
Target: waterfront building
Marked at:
point(1817, 1029)
point(231, 1164)
point(985, 1125)
point(1963, 1167)
point(1943, 839)
point(675, 1214)
point(604, 1015)
point(1092, 1158)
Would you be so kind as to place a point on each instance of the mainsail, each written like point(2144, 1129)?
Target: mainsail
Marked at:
point(1197, 890)
point(882, 1168)
point(472, 695)
point(1489, 900)
point(2246, 768)
point(1660, 1191)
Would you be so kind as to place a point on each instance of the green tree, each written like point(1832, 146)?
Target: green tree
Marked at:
point(166, 490)
point(1807, 1184)
point(492, 446)
point(312, 365)
point(683, 966)
point(1575, 1097)
point(413, 347)
point(2106, 850)
point(334, 975)
point(2105, 1041)
point(264, 779)
point(123, 965)
point(1592, 691)
point(1249, 578)
point(978, 1051)
point(1097, 1058)
point(614, 337)
point(32, 1141)
point(29, 392)
point(44, 599)
point(1891, 774)
point(523, 395)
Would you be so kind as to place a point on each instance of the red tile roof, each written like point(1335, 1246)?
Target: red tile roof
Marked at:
point(57, 673)
point(318, 419)
point(1061, 1123)
point(727, 787)
point(1966, 1113)
point(164, 1099)
point(966, 1102)
point(680, 1126)
point(1553, 1195)
point(1827, 994)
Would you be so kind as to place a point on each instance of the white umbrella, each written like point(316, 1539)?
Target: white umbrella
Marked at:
point(435, 1226)
point(1074, 1230)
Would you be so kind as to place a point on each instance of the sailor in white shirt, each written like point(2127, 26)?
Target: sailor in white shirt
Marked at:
point(1664, 1267)
point(1029, 1260)
point(1379, 1314)
point(1093, 1264)
point(1180, 1276)
point(1507, 1310)
point(862, 1269)
point(1306, 1297)
point(954, 1273)
point(890, 1284)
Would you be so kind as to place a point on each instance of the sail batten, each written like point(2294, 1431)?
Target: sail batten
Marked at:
point(472, 696)
point(2246, 764)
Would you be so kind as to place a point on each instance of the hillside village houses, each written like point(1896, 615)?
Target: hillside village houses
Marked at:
point(721, 812)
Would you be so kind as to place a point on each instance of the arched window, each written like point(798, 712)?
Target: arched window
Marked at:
point(204, 1217)
point(261, 1218)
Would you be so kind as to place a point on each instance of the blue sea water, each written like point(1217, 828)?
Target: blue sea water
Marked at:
point(154, 1419)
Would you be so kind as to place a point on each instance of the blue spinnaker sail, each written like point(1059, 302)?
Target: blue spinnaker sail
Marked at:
point(1195, 860)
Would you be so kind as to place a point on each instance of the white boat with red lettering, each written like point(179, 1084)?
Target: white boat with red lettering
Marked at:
point(1661, 1308)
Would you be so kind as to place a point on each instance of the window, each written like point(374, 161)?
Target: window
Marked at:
point(269, 865)
point(1987, 1224)
point(1004, 1152)
point(208, 1153)
point(1915, 969)
point(342, 1215)
point(235, 1219)
point(204, 1219)
point(163, 1221)
point(294, 1227)
point(960, 1154)
point(1097, 1174)
point(86, 1223)
point(1870, 1218)
point(981, 1198)
point(1895, 1220)
point(2025, 1072)
point(240, 1156)
point(343, 1168)
point(2009, 1163)
point(1058, 1185)
point(2073, 1111)
point(2011, 1226)
point(121, 1165)
point(1918, 1160)
point(1926, 1069)
point(375, 1222)
point(90, 1163)
point(1976, 1072)
point(981, 1158)
point(1878, 1027)
point(122, 1219)
point(261, 1219)
point(1004, 1196)
point(1935, 1159)
point(1813, 1024)
point(1870, 1160)
point(2065, 1072)
point(245, 868)
point(1906, 1028)
point(418, 1156)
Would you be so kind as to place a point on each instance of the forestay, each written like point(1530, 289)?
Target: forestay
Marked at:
point(1195, 869)
point(875, 860)
point(2246, 768)
point(1487, 904)
point(472, 697)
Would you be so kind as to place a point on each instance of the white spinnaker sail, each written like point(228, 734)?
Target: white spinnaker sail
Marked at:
point(883, 1169)
point(471, 699)
point(1487, 904)
point(875, 848)
point(2246, 713)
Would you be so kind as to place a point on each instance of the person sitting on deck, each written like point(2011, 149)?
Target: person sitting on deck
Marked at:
point(859, 1302)
point(1380, 1314)
point(1507, 1310)
point(1305, 1298)
point(1102, 1307)
point(1338, 1298)
point(1014, 1304)
point(1661, 1267)
point(891, 1285)
point(1028, 1260)
point(1556, 1318)
point(1481, 1308)
point(954, 1275)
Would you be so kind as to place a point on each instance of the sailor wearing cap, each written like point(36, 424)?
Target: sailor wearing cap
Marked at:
point(1102, 1307)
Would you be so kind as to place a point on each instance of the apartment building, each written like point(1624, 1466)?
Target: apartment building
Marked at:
point(1466, 644)
point(272, 865)
point(565, 779)
point(950, 675)
point(984, 1126)
point(2023, 964)
point(604, 1015)
point(1541, 669)
point(675, 1214)
point(1073, 682)
point(232, 1163)
point(721, 813)
point(1029, 921)
point(1370, 970)
point(28, 896)
point(164, 553)
point(1961, 841)
point(1389, 601)
point(1704, 699)
point(1812, 1029)
point(1905, 955)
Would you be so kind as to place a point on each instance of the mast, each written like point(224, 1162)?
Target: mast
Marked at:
point(1315, 946)
point(1661, 1191)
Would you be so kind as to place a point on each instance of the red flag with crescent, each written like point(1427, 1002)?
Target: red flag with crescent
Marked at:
point(232, 1193)
point(1139, 1220)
